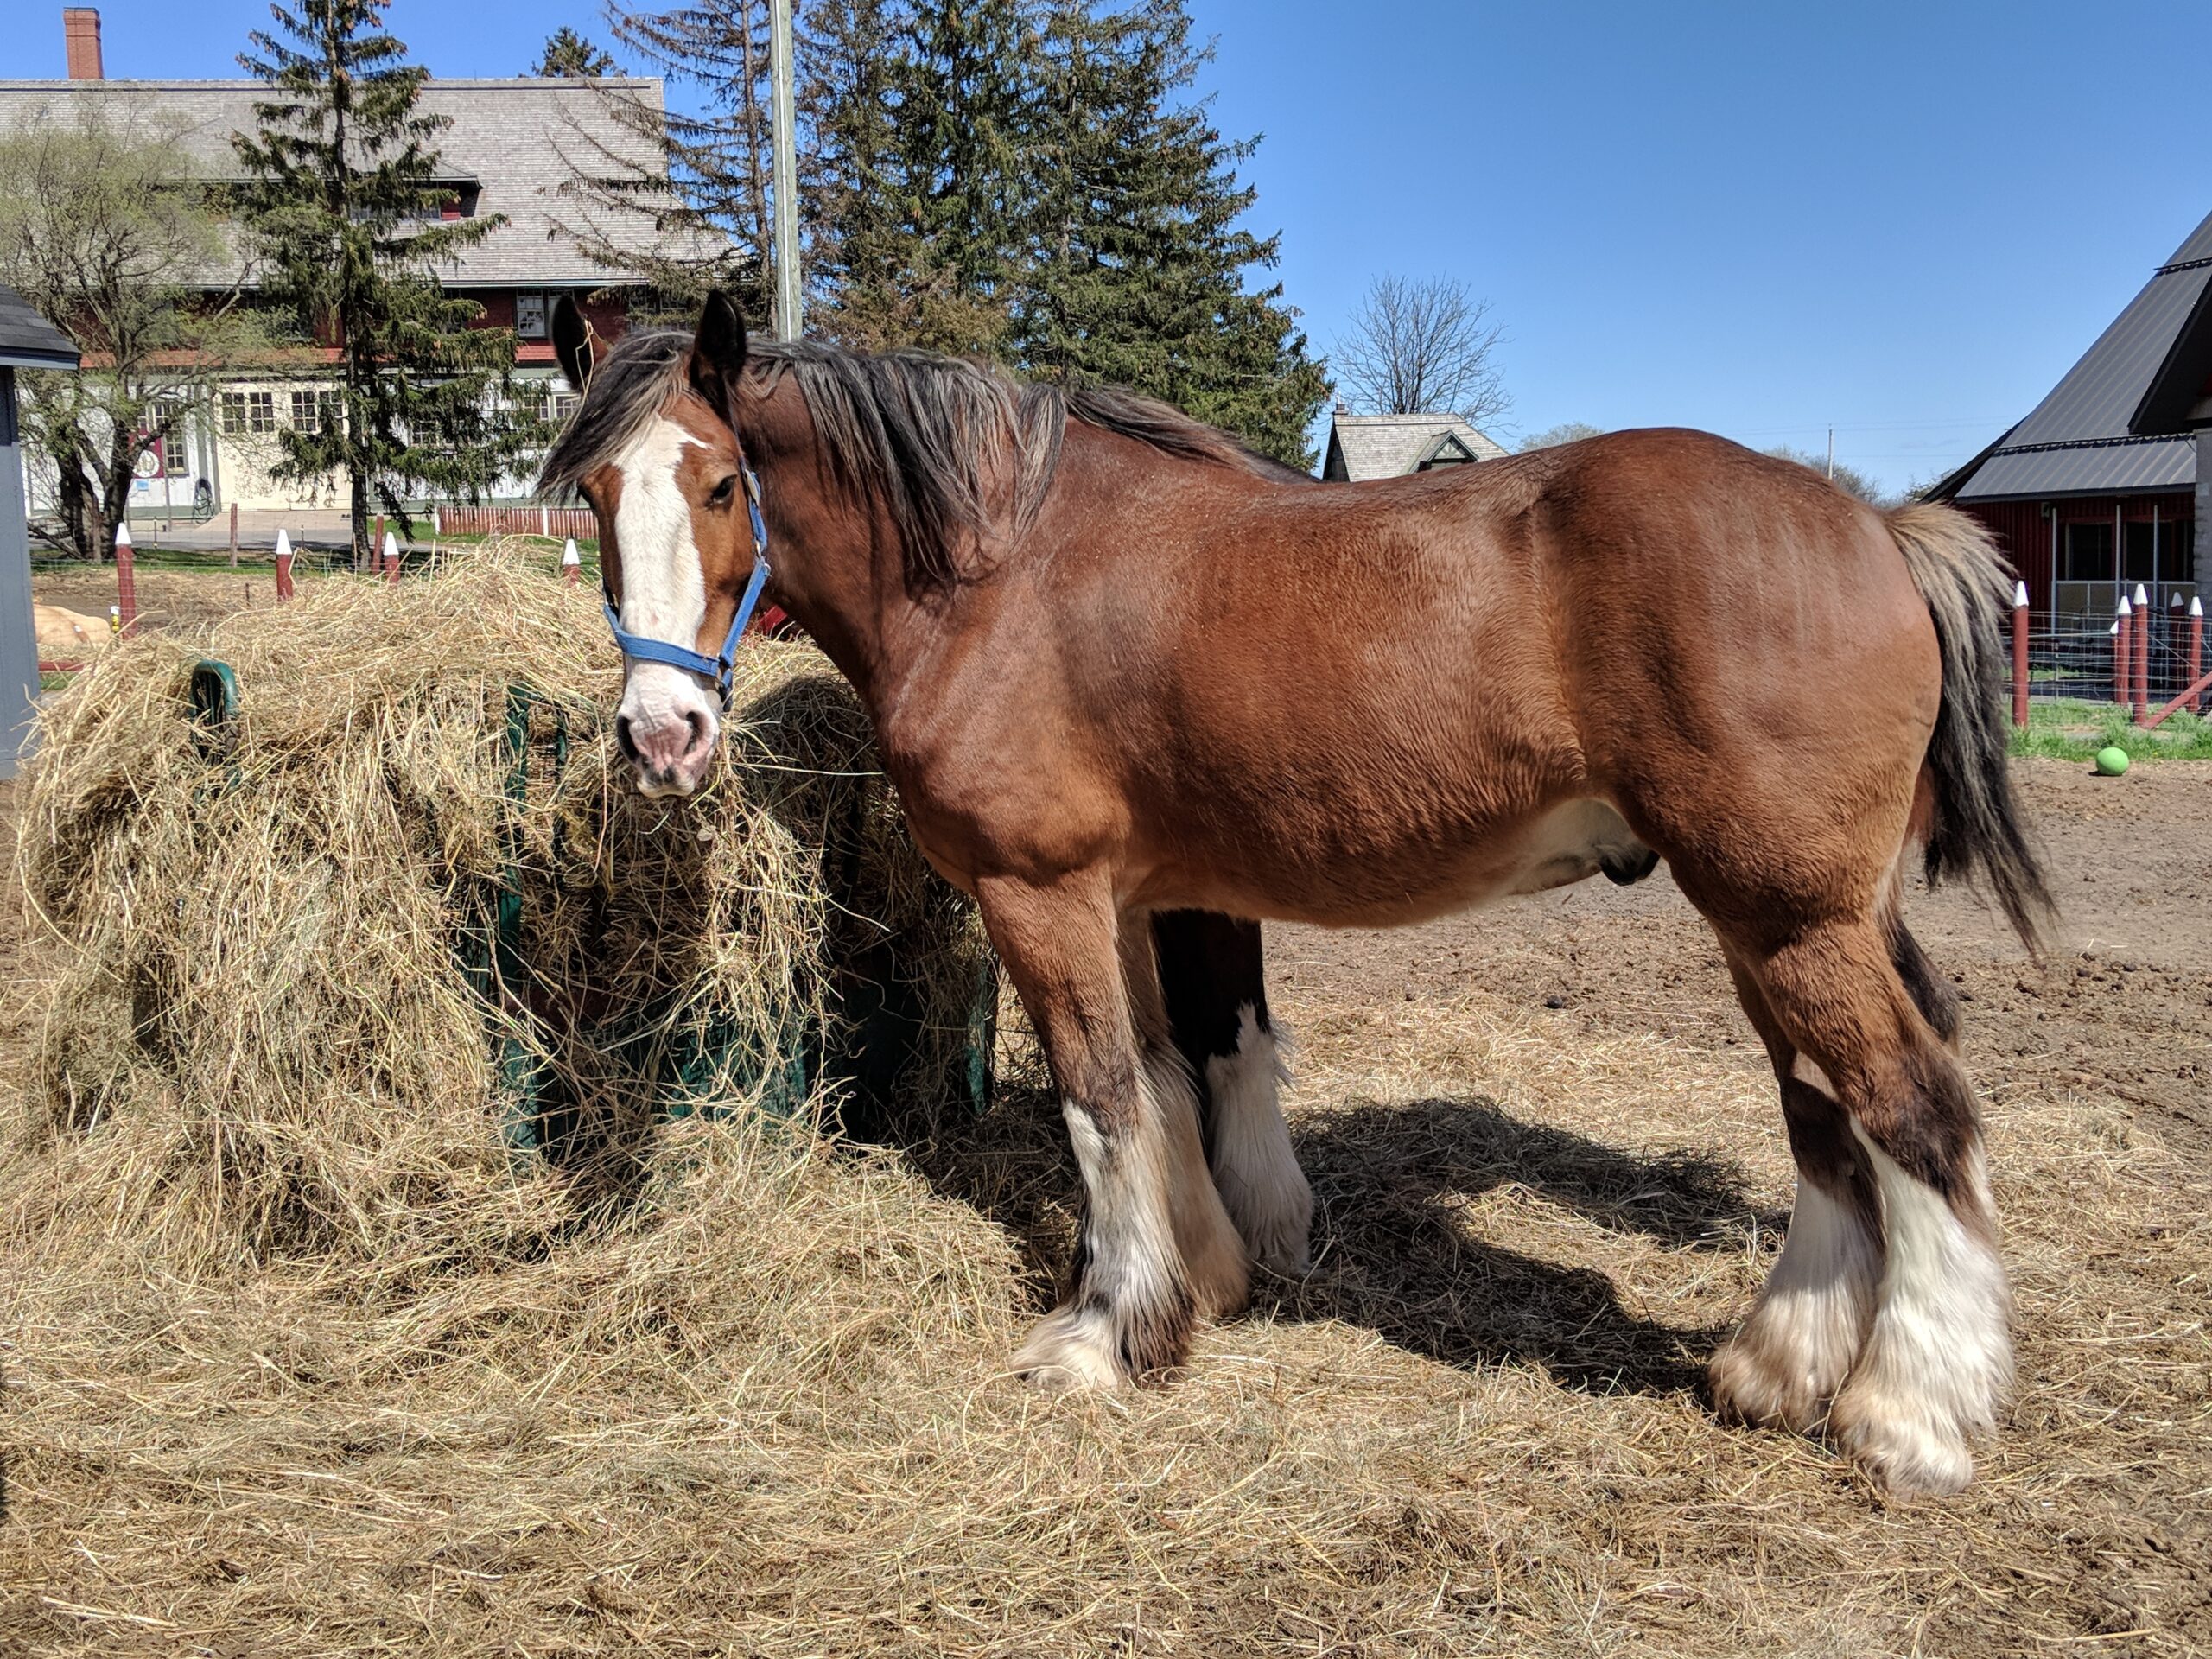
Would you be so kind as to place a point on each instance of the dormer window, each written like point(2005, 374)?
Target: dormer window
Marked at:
point(1448, 452)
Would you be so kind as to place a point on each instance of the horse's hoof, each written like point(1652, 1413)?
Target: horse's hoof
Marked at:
point(1904, 1449)
point(1071, 1349)
point(1753, 1384)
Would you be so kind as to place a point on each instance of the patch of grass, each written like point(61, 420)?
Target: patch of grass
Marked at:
point(2074, 728)
point(54, 679)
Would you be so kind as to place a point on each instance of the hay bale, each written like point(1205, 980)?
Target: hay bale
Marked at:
point(67, 635)
point(283, 1020)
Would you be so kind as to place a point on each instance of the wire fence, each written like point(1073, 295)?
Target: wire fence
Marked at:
point(2138, 660)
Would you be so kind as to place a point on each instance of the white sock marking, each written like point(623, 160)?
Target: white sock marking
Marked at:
point(1261, 1185)
point(1938, 1360)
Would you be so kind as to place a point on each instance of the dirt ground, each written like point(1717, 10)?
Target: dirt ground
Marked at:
point(1550, 1172)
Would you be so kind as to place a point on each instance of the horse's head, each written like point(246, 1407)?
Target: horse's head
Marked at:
point(653, 447)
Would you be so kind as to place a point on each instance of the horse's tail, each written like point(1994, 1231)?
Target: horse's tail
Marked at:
point(1977, 818)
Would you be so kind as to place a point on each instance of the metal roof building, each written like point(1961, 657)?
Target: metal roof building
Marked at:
point(2107, 484)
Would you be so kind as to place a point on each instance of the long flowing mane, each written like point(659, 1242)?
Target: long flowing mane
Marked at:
point(919, 432)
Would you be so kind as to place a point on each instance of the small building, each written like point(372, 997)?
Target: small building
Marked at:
point(512, 147)
point(1362, 447)
point(2107, 484)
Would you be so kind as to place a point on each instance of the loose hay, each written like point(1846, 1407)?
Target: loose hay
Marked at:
point(278, 949)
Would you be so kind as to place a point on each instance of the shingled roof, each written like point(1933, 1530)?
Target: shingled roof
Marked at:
point(28, 340)
point(517, 142)
point(1390, 446)
point(2120, 418)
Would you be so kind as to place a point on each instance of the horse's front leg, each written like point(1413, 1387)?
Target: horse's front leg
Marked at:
point(1157, 1250)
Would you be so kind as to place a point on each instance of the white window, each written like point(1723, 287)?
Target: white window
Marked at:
point(554, 401)
point(249, 411)
point(315, 411)
point(530, 315)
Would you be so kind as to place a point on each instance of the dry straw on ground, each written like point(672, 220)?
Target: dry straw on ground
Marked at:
point(748, 1398)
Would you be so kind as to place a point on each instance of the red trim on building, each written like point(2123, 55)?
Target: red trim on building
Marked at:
point(2025, 534)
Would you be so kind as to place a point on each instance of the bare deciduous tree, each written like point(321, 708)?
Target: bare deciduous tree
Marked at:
point(1565, 432)
point(1422, 346)
point(104, 229)
point(1845, 477)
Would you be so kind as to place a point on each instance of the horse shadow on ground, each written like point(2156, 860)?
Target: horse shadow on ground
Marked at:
point(1393, 1254)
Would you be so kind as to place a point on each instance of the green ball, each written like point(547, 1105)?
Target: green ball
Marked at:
point(2112, 760)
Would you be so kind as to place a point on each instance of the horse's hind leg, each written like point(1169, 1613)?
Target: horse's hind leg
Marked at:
point(1790, 1356)
point(1936, 1360)
point(1216, 1001)
point(1156, 1248)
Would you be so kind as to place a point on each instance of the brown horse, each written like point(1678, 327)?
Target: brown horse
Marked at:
point(1122, 670)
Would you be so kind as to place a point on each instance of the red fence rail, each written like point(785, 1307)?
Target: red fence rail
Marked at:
point(551, 522)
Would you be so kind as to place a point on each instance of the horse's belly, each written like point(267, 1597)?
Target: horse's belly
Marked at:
point(1573, 843)
point(1386, 885)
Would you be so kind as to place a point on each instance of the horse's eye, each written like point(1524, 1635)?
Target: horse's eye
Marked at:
point(721, 491)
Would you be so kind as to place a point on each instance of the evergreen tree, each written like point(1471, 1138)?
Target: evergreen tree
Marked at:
point(918, 112)
point(682, 198)
point(570, 56)
point(345, 206)
point(1138, 267)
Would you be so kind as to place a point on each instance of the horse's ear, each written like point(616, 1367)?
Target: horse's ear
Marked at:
point(718, 354)
point(572, 342)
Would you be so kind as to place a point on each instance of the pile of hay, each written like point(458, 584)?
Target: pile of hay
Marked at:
point(326, 978)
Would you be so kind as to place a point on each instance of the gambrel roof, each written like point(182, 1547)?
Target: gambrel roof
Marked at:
point(513, 143)
point(2121, 418)
point(1390, 446)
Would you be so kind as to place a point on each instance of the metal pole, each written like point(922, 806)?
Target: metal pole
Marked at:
point(19, 680)
point(783, 118)
point(2020, 654)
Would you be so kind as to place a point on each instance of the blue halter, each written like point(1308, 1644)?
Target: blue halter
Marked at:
point(716, 670)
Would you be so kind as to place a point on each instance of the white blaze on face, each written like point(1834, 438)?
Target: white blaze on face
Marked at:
point(665, 598)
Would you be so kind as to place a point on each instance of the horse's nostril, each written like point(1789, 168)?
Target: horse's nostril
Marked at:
point(697, 720)
point(623, 740)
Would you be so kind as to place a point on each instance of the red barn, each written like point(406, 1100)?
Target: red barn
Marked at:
point(2107, 483)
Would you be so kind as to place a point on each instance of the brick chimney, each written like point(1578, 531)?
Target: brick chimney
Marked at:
point(81, 29)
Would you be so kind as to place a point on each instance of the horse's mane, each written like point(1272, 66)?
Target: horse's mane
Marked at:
point(918, 431)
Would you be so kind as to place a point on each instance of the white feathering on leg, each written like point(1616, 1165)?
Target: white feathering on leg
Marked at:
point(1938, 1361)
point(1254, 1165)
point(1793, 1352)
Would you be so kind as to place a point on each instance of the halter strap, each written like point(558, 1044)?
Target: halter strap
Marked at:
point(715, 669)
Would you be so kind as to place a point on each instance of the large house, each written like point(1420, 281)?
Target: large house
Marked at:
point(2107, 484)
point(1390, 446)
point(511, 147)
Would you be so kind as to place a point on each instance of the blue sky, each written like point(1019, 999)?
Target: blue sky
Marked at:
point(1903, 220)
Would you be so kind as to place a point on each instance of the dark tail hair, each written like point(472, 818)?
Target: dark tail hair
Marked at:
point(1977, 820)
